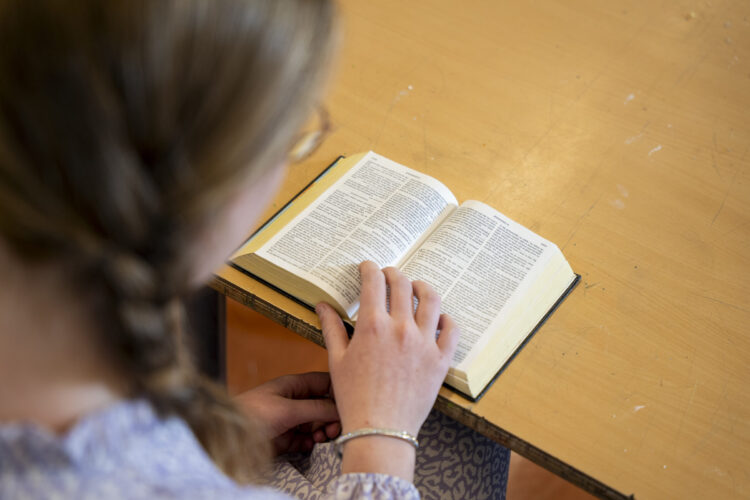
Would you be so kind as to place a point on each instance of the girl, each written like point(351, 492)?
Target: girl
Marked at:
point(139, 141)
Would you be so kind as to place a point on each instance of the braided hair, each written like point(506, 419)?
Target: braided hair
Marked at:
point(125, 126)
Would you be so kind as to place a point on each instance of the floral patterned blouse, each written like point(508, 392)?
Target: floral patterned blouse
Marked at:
point(127, 451)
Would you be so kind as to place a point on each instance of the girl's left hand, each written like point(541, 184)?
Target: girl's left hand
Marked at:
point(298, 410)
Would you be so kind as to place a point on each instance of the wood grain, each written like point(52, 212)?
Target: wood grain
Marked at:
point(619, 131)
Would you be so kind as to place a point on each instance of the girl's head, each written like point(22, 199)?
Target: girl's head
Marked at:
point(139, 140)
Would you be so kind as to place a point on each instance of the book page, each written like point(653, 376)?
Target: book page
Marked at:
point(376, 211)
point(478, 260)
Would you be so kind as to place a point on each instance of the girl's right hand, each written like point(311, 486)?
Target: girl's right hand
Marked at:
point(388, 375)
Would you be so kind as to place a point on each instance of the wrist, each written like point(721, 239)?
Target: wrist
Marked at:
point(379, 454)
point(350, 425)
point(370, 431)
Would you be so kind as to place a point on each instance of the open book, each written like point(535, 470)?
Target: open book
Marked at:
point(498, 280)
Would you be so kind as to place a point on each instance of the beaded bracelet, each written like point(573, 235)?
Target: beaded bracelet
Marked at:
point(367, 431)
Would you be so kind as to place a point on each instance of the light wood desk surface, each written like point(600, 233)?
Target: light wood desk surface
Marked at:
point(621, 132)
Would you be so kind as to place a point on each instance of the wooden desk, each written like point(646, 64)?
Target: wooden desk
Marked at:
point(620, 131)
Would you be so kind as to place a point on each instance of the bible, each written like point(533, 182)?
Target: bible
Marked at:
point(498, 280)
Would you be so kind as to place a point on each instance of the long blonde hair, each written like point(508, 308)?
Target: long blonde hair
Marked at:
point(125, 125)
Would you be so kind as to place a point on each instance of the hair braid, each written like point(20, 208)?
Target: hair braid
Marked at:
point(151, 343)
point(132, 125)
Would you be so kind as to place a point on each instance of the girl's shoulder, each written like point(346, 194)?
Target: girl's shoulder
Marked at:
point(124, 451)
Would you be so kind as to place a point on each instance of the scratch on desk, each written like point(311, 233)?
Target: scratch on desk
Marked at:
point(726, 195)
point(395, 100)
point(722, 302)
point(618, 204)
point(684, 412)
point(400, 95)
point(632, 139)
point(587, 286)
point(692, 68)
point(713, 163)
point(711, 432)
point(713, 156)
point(577, 224)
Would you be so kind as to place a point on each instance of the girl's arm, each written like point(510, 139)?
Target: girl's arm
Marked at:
point(389, 373)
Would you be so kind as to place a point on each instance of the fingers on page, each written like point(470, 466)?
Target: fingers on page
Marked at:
point(372, 299)
point(401, 300)
point(449, 335)
point(428, 308)
point(334, 332)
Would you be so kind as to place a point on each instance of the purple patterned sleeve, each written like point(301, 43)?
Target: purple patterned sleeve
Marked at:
point(371, 487)
point(453, 461)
